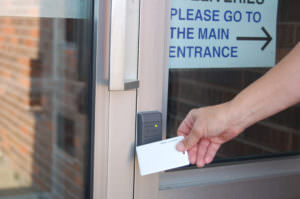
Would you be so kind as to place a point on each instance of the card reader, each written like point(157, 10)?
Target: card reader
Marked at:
point(149, 126)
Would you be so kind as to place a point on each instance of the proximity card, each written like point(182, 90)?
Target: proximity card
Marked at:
point(161, 156)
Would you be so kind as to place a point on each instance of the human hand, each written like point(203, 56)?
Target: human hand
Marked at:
point(205, 130)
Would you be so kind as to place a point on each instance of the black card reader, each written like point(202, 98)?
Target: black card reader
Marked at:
point(149, 126)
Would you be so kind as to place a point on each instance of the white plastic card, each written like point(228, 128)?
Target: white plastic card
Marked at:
point(161, 156)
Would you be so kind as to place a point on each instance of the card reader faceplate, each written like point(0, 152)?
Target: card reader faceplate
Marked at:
point(149, 127)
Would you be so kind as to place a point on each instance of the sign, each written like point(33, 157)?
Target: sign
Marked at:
point(222, 33)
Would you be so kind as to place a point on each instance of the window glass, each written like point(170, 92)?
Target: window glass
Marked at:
point(193, 88)
point(45, 64)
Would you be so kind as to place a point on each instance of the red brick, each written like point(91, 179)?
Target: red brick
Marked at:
point(8, 30)
point(78, 180)
point(35, 33)
point(24, 150)
point(24, 61)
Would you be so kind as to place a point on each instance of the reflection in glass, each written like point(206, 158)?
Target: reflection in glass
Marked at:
point(193, 88)
point(45, 68)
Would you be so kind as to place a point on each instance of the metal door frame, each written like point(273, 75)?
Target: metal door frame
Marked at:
point(115, 106)
point(101, 61)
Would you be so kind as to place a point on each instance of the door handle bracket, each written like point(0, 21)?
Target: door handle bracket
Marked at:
point(131, 84)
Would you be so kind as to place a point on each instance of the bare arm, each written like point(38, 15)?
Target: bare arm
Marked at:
point(275, 91)
point(206, 129)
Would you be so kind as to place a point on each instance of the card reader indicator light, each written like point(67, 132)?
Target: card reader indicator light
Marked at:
point(155, 125)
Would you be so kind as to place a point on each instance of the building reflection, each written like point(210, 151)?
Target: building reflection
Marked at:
point(44, 132)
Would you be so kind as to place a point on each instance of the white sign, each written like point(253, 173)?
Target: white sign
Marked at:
point(222, 33)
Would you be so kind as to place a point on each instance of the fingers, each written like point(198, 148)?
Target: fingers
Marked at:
point(203, 153)
point(202, 149)
point(186, 128)
point(193, 154)
point(211, 152)
point(186, 125)
point(189, 141)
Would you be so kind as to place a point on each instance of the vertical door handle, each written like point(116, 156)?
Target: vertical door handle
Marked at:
point(124, 45)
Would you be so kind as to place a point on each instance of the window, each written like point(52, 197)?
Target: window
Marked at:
point(65, 134)
point(191, 88)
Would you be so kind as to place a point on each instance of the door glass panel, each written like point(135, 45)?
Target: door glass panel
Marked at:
point(194, 88)
point(45, 64)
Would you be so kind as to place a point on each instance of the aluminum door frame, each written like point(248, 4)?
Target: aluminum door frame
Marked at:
point(115, 112)
point(101, 62)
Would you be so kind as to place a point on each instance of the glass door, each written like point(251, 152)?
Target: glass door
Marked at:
point(45, 98)
point(250, 166)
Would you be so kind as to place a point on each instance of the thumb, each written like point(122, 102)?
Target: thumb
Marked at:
point(188, 142)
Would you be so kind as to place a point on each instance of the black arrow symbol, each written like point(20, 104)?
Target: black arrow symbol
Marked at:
point(268, 38)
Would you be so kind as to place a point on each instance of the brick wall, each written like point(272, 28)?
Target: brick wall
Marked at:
point(19, 85)
point(190, 88)
point(39, 81)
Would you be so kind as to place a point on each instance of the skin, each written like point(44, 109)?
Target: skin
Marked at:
point(206, 129)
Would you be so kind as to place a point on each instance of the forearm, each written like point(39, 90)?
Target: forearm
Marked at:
point(275, 91)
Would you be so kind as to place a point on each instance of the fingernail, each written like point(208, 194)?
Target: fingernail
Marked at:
point(200, 164)
point(180, 147)
point(207, 160)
